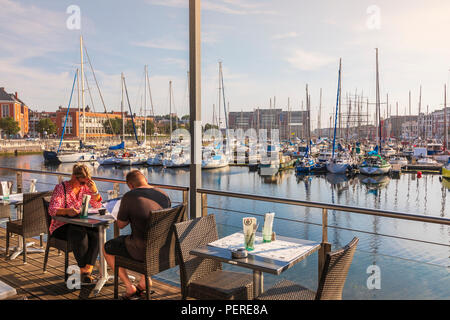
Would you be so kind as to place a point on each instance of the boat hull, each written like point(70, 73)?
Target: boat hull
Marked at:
point(374, 170)
point(446, 172)
point(337, 167)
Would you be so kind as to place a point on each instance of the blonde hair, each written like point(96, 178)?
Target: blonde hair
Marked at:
point(81, 171)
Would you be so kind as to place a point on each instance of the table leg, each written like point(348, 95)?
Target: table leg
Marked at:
point(17, 251)
point(103, 266)
point(258, 283)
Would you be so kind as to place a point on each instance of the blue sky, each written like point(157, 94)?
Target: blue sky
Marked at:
point(268, 48)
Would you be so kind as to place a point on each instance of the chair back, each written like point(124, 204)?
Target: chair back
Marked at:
point(34, 220)
point(190, 235)
point(10, 186)
point(160, 254)
point(46, 204)
point(335, 272)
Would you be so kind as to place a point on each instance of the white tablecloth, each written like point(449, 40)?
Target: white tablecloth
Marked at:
point(277, 250)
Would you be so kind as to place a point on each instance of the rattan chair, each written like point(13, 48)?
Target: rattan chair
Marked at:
point(204, 278)
point(160, 252)
point(33, 222)
point(331, 282)
point(53, 242)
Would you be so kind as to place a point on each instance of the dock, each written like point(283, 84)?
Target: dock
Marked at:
point(32, 284)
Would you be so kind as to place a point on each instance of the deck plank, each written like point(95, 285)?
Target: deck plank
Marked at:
point(29, 279)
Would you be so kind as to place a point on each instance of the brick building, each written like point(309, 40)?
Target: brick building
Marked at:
point(12, 106)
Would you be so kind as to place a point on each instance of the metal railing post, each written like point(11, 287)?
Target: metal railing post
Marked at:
point(325, 246)
point(19, 181)
point(186, 203)
point(116, 188)
point(204, 204)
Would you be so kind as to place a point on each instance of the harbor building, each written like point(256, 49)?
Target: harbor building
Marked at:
point(291, 124)
point(94, 124)
point(13, 107)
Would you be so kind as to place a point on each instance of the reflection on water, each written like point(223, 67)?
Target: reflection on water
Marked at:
point(407, 193)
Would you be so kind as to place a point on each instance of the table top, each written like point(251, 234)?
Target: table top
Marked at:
point(14, 199)
point(273, 257)
point(93, 220)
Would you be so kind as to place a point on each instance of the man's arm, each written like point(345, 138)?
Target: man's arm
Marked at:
point(122, 216)
point(122, 224)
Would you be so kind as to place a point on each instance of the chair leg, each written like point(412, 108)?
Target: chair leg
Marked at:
point(116, 282)
point(41, 240)
point(24, 242)
point(47, 250)
point(147, 287)
point(7, 244)
point(66, 264)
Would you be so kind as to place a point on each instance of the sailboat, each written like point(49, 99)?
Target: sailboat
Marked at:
point(342, 162)
point(61, 156)
point(177, 157)
point(214, 157)
point(375, 164)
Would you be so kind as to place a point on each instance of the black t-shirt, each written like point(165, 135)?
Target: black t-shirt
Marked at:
point(135, 208)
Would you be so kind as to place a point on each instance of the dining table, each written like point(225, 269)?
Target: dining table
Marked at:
point(101, 223)
point(273, 257)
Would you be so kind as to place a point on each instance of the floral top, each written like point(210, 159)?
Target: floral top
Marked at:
point(59, 201)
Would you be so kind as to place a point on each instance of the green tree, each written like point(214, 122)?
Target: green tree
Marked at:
point(211, 126)
point(116, 124)
point(9, 126)
point(46, 125)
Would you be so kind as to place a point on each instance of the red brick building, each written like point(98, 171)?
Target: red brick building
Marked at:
point(11, 106)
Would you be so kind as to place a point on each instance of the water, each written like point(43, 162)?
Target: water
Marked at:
point(409, 269)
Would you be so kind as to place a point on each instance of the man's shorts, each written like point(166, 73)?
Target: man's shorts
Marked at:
point(117, 247)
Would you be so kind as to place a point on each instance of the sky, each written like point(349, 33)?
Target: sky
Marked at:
point(269, 48)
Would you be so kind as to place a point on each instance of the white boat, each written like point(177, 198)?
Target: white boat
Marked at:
point(269, 167)
point(324, 156)
point(177, 159)
point(71, 157)
point(340, 164)
point(427, 161)
point(130, 159)
point(398, 160)
point(387, 152)
point(374, 165)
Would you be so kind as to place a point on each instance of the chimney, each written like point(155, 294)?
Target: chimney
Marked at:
point(17, 96)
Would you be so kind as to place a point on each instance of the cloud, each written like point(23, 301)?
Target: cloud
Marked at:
point(307, 61)
point(287, 35)
point(234, 7)
point(162, 44)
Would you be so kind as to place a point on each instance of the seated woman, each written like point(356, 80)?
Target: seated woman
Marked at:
point(66, 200)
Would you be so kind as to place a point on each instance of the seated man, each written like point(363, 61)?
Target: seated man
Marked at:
point(134, 210)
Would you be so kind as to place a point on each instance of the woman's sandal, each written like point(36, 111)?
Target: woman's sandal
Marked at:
point(133, 296)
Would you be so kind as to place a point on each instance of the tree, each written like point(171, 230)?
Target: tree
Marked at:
point(46, 125)
point(186, 117)
point(9, 126)
point(116, 124)
point(211, 126)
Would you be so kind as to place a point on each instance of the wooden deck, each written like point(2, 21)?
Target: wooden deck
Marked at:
point(30, 281)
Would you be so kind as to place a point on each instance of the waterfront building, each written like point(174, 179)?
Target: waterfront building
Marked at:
point(35, 116)
point(13, 107)
point(291, 124)
point(94, 123)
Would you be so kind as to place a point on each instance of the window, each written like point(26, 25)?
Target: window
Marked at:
point(5, 110)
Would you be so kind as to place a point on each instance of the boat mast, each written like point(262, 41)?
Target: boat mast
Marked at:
point(378, 106)
point(445, 119)
point(121, 109)
point(82, 89)
point(145, 106)
point(319, 120)
point(170, 110)
point(338, 99)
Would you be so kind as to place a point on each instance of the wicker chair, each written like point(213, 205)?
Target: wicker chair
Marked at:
point(33, 222)
point(204, 278)
point(160, 252)
point(331, 282)
point(53, 242)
